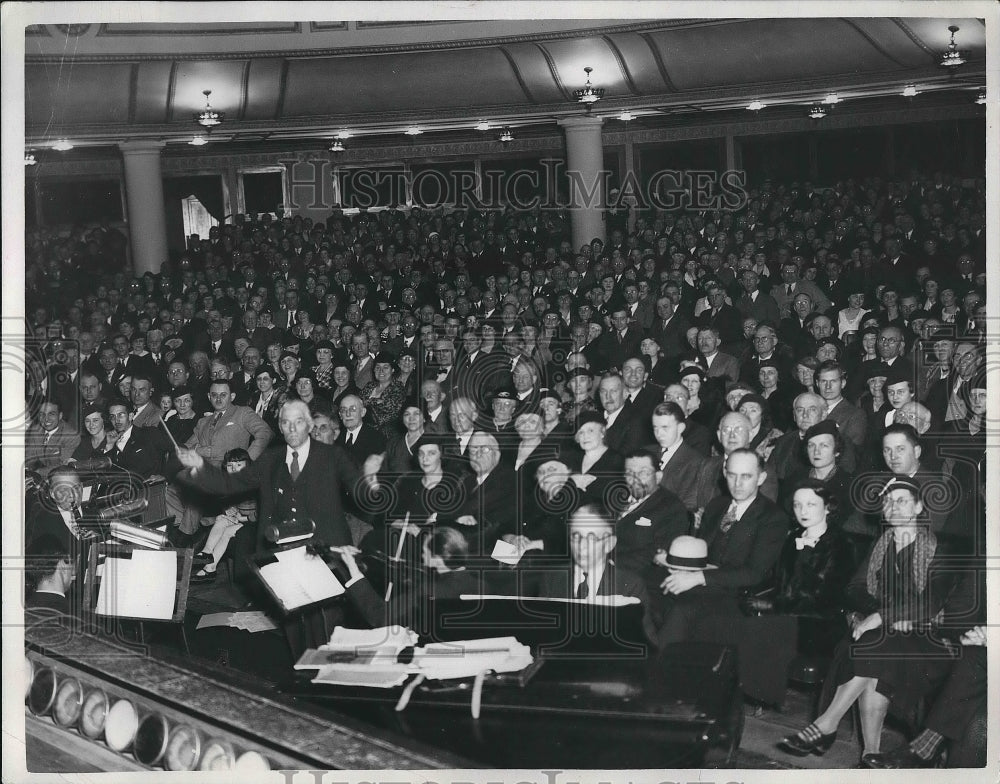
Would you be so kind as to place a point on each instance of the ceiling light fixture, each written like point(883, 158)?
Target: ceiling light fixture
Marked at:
point(337, 146)
point(506, 135)
point(910, 91)
point(953, 57)
point(588, 93)
point(209, 117)
point(29, 158)
point(413, 131)
point(981, 98)
point(483, 126)
point(832, 99)
point(344, 135)
point(63, 145)
point(626, 116)
point(198, 141)
point(756, 106)
point(817, 112)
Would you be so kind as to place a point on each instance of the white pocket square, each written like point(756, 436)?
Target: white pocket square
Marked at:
point(280, 491)
point(229, 424)
point(645, 522)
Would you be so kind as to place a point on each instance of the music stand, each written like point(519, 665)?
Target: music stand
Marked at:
point(143, 581)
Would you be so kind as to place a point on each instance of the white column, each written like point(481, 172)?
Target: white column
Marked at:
point(147, 217)
point(585, 164)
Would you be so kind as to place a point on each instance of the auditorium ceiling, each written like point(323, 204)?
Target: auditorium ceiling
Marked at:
point(104, 83)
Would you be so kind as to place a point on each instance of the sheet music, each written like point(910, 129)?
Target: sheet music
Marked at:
point(143, 586)
point(299, 578)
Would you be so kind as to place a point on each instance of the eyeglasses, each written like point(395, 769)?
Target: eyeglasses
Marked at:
point(348, 409)
point(888, 340)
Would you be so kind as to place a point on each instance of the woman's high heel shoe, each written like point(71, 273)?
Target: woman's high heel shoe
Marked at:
point(808, 741)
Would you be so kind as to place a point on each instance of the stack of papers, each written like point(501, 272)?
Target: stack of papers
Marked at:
point(251, 621)
point(468, 658)
point(361, 657)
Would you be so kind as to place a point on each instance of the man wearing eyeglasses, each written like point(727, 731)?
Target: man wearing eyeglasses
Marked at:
point(490, 507)
point(767, 349)
point(890, 347)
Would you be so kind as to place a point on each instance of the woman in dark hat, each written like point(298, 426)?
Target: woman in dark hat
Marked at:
point(706, 397)
point(290, 366)
point(401, 452)
point(580, 386)
point(384, 396)
point(804, 613)
point(762, 434)
point(306, 388)
point(323, 369)
point(268, 398)
point(431, 494)
point(596, 468)
point(407, 376)
point(182, 424)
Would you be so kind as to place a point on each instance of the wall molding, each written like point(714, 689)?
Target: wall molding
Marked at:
point(550, 144)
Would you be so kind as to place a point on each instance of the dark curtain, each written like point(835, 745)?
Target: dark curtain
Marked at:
point(207, 188)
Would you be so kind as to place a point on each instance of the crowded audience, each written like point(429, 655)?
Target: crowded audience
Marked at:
point(794, 392)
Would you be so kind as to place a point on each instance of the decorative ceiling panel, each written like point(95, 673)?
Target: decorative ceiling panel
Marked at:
point(62, 95)
point(414, 82)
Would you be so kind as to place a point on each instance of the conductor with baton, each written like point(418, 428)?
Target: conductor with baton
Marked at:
point(307, 480)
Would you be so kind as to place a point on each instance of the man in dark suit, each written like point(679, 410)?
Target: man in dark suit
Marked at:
point(489, 510)
point(590, 572)
point(669, 330)
point(356, 438)
point(624, 431)
point(724, 319)
point(52, 571)
point(641, 395)
point(745, 533)
point(141, 450)
point(696, 435)
point(653, 516)
point(623, 341)
point(680, 465)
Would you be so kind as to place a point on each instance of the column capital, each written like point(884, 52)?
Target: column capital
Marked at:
point(581, 123)
point(141, 147)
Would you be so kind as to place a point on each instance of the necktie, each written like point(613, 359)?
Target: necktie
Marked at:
point(728, 518)
point(803, 542)
point(215, 420)
point(663, 460)
point(295, 470)
point(350, 438)
point(583, 589)
point(621, 336)
point(788, 289)
point(77, 516)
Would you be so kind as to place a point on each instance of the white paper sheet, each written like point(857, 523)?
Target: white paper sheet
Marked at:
point(298, 578)
point(506, 553)
point(143, 586)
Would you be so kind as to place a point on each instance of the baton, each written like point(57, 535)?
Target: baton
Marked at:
point(399, 552)
point(177, 446)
